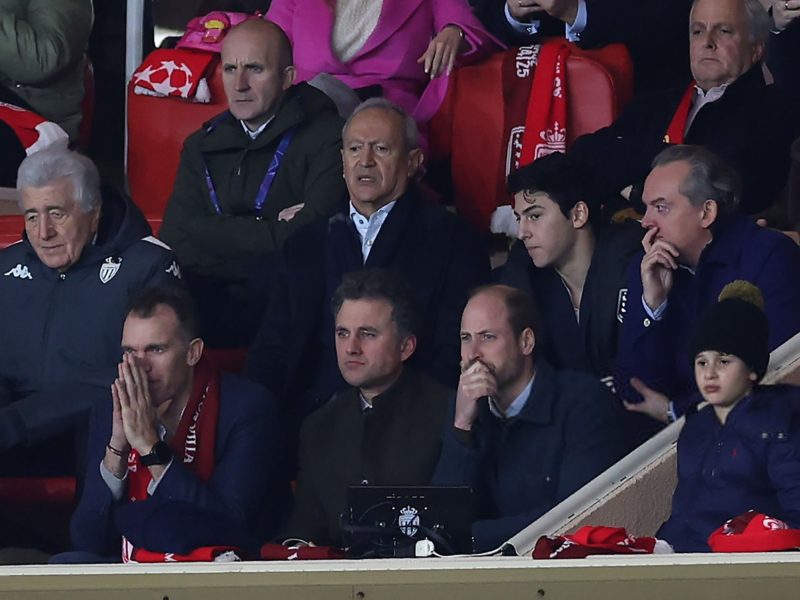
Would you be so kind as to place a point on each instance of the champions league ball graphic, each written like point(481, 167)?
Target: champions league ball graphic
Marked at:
point(169, 79)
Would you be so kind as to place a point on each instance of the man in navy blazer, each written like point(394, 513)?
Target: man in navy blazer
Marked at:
point(696, 243)
point(388, 226)
point(182, 455)
point(522, 434)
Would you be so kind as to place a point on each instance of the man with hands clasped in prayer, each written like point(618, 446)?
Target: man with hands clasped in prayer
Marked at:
point(184, 457)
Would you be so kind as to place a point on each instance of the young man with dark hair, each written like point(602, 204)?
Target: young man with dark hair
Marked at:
point(575, 269)
point(385, 429)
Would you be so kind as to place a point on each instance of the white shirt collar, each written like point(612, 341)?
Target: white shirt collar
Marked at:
point(254, 134)
point(368, 228)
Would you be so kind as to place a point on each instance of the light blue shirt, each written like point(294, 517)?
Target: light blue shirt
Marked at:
point(571, 32)
point(658, 313)
point(369, 227)
point(117, 486)
point(516, 406)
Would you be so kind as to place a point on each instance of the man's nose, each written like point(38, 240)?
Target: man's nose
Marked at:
point(353, 345)
point(471, 352)
point(367, 155)
point(707, 39)
point(46, 228)
point(140, 360)
point(647, 220)
point(240, 80)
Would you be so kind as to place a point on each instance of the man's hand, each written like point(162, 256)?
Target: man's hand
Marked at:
point(563, 10)
point(287, 214)
point(477, 381)
point(523, 10)
point(658, 265)
point(118, 439)
point(655, 404)
point(440, 57)
point(784, 12)
point(139, 416)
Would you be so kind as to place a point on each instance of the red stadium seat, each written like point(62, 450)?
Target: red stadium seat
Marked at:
point(11, 227)
point(228, 359)
point(37, 490)
point(471, 123)
point(87, 106)
point(157, 128)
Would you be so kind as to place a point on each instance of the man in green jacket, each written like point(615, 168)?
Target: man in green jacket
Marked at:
point(42, 45)
point(250, 177)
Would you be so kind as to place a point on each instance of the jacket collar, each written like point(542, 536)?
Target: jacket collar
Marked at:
point(725, 246)
point(229, 135)
point(751, 81)
point(393, 228)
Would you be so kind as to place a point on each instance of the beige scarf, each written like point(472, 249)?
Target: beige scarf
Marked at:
point(354, 23)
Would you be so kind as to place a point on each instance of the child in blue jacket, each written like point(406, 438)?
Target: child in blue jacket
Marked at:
point(740, 451)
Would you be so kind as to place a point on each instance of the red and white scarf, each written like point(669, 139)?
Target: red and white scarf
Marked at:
point(677, 127)
point(546, 115)
point(174, 72)
point(193, 445)
point(34, 131)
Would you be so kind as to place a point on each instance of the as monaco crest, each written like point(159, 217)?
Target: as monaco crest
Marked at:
point(408, 521)
point(109, 268)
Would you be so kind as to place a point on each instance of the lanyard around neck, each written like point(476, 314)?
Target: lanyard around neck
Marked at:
point(266, 183)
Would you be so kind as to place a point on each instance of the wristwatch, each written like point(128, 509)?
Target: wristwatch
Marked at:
point(160, 454)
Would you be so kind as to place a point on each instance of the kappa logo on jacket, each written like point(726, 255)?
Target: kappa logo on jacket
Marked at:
point(20, 272)
point(109, 268)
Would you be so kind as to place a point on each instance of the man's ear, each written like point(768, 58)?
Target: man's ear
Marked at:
point(194, 352)
point(415, 160)
point(709, 214)
point(96, 217)
point(527, 341)
point(579, 214)
point(289, 75)
point(758, 52)
point(407, 347)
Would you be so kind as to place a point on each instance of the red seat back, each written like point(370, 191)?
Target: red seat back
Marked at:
point(37, 490)
point(228, 359)
point(157, 128)
point(87, 105)
point(11, 227)
point(471, 122)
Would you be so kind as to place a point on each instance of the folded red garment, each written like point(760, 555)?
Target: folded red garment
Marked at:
point(754, 532)
point(172, 72)
point(204, 554)
point(591, 540)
